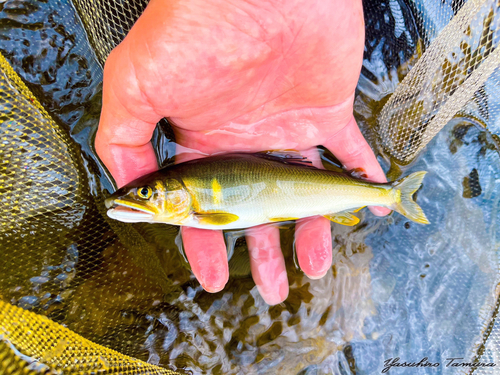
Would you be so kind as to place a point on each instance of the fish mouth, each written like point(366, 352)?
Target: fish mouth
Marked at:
point(128, 212)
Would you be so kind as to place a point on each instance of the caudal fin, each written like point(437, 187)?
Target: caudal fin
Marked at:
point(405, 204)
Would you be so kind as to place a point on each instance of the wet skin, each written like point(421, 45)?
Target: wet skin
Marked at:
point(244, 76)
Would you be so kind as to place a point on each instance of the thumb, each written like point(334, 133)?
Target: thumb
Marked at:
point(127, 121)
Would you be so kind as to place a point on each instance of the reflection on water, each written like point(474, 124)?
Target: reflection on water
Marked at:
point(396, 289)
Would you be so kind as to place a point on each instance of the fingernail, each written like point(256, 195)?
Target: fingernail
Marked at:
point(212, 289)
point(274, 298)
point(380, 211)
point(277, 292)
point(314, 277)
point(215, 285)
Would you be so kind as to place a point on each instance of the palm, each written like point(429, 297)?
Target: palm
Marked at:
point(238, 76)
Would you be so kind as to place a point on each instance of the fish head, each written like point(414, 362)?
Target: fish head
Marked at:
point(152, 201)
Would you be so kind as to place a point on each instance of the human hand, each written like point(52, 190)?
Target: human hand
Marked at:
point(245, 76)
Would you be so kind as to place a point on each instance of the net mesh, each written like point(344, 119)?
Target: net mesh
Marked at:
point(112, 283)
point(39, 182)
point(452, 71)
point(12, 362)
point(108, 22)
point(59, 348)
point(49, 225)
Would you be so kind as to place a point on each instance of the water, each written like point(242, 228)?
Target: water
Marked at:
point(396, 289)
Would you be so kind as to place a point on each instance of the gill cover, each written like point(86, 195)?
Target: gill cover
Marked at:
point(177, 203)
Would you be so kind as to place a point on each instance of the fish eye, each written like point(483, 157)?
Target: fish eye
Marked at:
point(144, 192)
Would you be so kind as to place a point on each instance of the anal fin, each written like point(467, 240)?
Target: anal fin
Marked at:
point(344, 218)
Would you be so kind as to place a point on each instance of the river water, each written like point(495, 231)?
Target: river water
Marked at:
point(396, 288)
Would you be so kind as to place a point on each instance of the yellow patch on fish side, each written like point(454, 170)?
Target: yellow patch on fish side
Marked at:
point(216, 218)
point(357, 210)
point(276, 219)
point(195, 203)
point(344, 218)
point(216, 191)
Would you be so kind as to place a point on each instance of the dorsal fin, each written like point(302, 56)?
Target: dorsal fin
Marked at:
point(290, 157)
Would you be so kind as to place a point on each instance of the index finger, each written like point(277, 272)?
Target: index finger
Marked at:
point(352, 150)
point(127, 122)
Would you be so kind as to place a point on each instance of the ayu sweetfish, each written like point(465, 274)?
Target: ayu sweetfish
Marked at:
point(234, 191)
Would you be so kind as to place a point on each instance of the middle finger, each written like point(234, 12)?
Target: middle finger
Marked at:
point(313, 236)
point(267, 263)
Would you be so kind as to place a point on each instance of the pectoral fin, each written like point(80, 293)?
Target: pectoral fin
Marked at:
point(344, 218)
point(216, 218)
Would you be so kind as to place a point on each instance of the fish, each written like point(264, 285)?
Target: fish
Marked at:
point(242, 190)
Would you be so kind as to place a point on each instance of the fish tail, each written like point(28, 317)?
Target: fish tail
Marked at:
point(405, 205)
